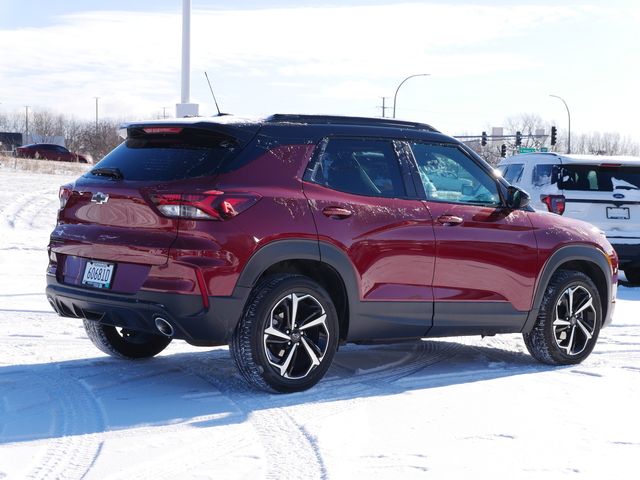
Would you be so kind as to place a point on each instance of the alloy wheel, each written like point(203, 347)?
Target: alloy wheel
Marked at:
point(575, 320)
point(296, 337)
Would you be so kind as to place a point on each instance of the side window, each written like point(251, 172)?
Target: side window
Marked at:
point(449, 175)
point(359, 166)
point(513, 174)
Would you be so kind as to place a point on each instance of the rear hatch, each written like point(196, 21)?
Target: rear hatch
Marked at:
point(112, 214)
point(606, 195)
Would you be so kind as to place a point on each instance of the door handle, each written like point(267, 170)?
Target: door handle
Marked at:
point(336, 212)
point(449, 220)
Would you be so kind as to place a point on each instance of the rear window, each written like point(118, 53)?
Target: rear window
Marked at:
point(188, 154)
point(513, 173)
point(599, 178)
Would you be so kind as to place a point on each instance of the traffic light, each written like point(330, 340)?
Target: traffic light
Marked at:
point(518, 139)
point(554, 135)
point(503, 150)
point(484, 139)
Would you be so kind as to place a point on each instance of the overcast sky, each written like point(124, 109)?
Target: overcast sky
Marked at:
point(488, 59)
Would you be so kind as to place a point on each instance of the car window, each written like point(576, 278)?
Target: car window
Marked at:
point(189, 154)
point(359, 166)
point(513, 173)
point(602, 178)
point(544, 175)
point(449, 175)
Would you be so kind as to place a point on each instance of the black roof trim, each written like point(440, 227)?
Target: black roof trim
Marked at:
point(345, 120)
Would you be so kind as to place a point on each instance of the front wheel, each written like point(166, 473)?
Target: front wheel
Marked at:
point(123, 343)
point(287, 336)
point(568, 322)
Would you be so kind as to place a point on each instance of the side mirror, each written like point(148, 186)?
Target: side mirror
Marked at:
point(517, 198)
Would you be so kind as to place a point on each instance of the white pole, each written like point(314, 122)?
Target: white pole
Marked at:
point(186, 38)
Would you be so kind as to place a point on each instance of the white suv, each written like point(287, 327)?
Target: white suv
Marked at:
point(602, 190)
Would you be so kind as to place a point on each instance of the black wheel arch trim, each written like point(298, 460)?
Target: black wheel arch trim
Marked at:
point(565, 254)
point(295, 249)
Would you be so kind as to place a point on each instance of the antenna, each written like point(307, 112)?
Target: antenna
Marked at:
point(213, 94)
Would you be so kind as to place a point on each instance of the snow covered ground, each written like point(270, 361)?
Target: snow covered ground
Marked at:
point(450, 408)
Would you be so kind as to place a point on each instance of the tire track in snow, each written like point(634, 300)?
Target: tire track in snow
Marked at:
point(416, 357)
point(20, 206)
point(78, 417)
point(276, 429)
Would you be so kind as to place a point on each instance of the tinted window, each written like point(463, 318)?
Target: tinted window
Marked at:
point(359, 166)
point(513, 173)
point(449, 175)
point(170, 157)
point(599, 178)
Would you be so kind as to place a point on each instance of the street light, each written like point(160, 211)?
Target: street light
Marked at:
point(401, 83)
point(569, 116)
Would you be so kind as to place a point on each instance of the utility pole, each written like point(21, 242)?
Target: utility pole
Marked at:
point(185, 108)
point(26, 123)
point(384, 107)
point(164, 112)
point(97, 98)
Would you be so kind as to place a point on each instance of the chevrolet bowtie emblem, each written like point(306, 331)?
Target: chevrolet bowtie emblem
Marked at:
point(100, 198)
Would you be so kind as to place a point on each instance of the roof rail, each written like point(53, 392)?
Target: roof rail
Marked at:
point(346, 120)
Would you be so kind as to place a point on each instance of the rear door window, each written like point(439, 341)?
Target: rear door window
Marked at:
point(359, 166)
point(545, 174)
point(599, 178)
point(163, 157)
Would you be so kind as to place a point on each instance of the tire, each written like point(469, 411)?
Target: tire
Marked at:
point(122, 343)
point(568, 322)
point(281, 348)
point(633, 275)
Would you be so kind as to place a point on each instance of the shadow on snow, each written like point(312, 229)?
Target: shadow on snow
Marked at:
point(203, 389)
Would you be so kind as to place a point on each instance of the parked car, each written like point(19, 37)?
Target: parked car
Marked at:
point(47, 151)
point(602, 190)
point(288, 236)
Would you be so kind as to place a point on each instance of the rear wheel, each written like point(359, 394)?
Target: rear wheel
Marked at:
point(568, 322)
point(287, 336)
point(123, 343)
point(633, 275)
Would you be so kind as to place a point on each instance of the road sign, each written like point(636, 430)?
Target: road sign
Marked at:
point(526, 150)
point(544, 149)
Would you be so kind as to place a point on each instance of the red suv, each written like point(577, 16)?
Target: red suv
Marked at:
point(47, 151)
point(288, 236)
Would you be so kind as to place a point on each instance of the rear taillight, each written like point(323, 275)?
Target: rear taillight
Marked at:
point(554, 203)
point(64, 195)
point(212, 205)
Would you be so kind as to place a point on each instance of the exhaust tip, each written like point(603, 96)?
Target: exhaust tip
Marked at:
point(164, 327)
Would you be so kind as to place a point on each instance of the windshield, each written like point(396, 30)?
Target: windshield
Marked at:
point(599, 178)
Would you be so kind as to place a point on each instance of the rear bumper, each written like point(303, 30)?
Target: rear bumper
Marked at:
point(628, 253)
point(190, 321)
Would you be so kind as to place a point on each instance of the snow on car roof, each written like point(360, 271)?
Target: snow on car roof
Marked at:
point(552, 157)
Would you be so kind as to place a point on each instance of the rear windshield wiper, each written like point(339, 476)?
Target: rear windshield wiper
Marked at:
point(110, 172)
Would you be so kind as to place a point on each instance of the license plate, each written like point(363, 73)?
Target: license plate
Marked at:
point(98, 274)
point(618, 213)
